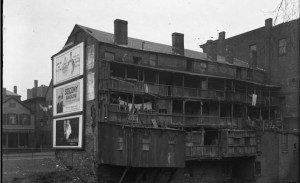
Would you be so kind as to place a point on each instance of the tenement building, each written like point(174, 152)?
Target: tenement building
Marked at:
point(130, 110)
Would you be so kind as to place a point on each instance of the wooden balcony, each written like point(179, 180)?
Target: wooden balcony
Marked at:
point(119, 116)
point(202, 152)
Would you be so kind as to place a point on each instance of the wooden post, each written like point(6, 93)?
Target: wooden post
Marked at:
point(183, 112)
point(201, 111)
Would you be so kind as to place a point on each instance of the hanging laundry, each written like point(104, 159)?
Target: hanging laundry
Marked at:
point(146, 88)
point(148, 106)
point(254, 97)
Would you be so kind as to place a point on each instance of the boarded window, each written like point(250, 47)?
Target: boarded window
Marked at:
point(109, 56)
point(284, 143)
point(120, 143)
point(282, 47)
point(257, 168)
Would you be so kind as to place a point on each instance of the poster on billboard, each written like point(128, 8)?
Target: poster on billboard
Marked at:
point(68, 98)
point(67, 132)
point(68, 64)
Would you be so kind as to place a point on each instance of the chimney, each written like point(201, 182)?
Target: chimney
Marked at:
point(35, 83)
point(268, 23)
point(121, 33)
point(221, 43)
point(178, 43)
point(229, 54)
point(34, 90)
point(15, 90)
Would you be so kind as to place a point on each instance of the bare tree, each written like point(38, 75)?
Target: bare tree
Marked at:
point(286, 11)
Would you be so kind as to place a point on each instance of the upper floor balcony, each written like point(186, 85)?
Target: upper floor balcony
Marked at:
point(187, 92)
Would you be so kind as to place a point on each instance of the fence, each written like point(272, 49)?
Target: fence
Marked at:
point(27, 153)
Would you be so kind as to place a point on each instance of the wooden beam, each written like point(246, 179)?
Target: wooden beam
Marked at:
point(123, 175)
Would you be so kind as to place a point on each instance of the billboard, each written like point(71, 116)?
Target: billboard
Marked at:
point(68, 98)
point(68, 65)
point(67, 132)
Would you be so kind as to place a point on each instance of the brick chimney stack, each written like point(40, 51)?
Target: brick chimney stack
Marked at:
point(34, 90)
point(15, 89)
point(221, 44)
point(121, 32)
point(178, 43)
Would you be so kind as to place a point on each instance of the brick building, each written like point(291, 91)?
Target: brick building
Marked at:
point(157, 113)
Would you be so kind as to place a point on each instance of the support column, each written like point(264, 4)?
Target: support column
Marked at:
point(7, 140)
point(201, 111)
point(183, 112)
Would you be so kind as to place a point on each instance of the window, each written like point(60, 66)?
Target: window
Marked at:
point(108, 56)
point(137, 60)
point(120, 144)
point(238, 72)
point(189, 64)
point(146, 143)
point(163, 111)
point(257, 168)
point(24, 119)
point(253, 55)
point(249, 74)
point(12, 119)
point(12, 105)
point(284, 143)
point(153, 59)
point(282, 47)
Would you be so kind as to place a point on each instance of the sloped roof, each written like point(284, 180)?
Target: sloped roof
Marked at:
point(20, 102)
point(154, 47)
point(9, 93)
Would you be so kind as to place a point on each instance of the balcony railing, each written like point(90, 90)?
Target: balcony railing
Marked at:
point(115, 115)
point(202, 152)
point(179, 91)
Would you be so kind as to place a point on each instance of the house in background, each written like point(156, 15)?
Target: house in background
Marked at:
point(18, 127)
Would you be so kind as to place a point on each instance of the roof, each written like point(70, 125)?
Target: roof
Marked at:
point(20, 102)
point(154, 47)
point(9, 93)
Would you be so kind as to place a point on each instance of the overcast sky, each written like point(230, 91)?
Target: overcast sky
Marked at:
point(34, 30)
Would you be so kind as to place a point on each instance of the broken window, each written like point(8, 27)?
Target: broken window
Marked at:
point(238, 72)
point(132, 73)
point(150, 76)
point(177, 106)
point(189, 64)
point(282, 47)
point(211, 138)
point(137, 60)
point(117, 70)
point(192, 107)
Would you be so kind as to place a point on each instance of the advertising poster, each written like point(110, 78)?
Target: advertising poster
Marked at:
point(68, 98)
point(67, 132)
point(68, 64)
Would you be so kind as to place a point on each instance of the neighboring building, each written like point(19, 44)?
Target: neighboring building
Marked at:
point(17, 123)
point(6, 93)
point(42, 115)
point(159, 113)
point(37, 91)
point(275, 49)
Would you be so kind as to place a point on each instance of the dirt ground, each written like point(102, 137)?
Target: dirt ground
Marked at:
point(36, 171)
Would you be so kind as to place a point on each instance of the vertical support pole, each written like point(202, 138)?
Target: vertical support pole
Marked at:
point(125, 72)
point(269, 107)
point(219, 108)
point(18, 141)
point(232, 113)
point(7, 140)
point(183, 112)
point(201, 111)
